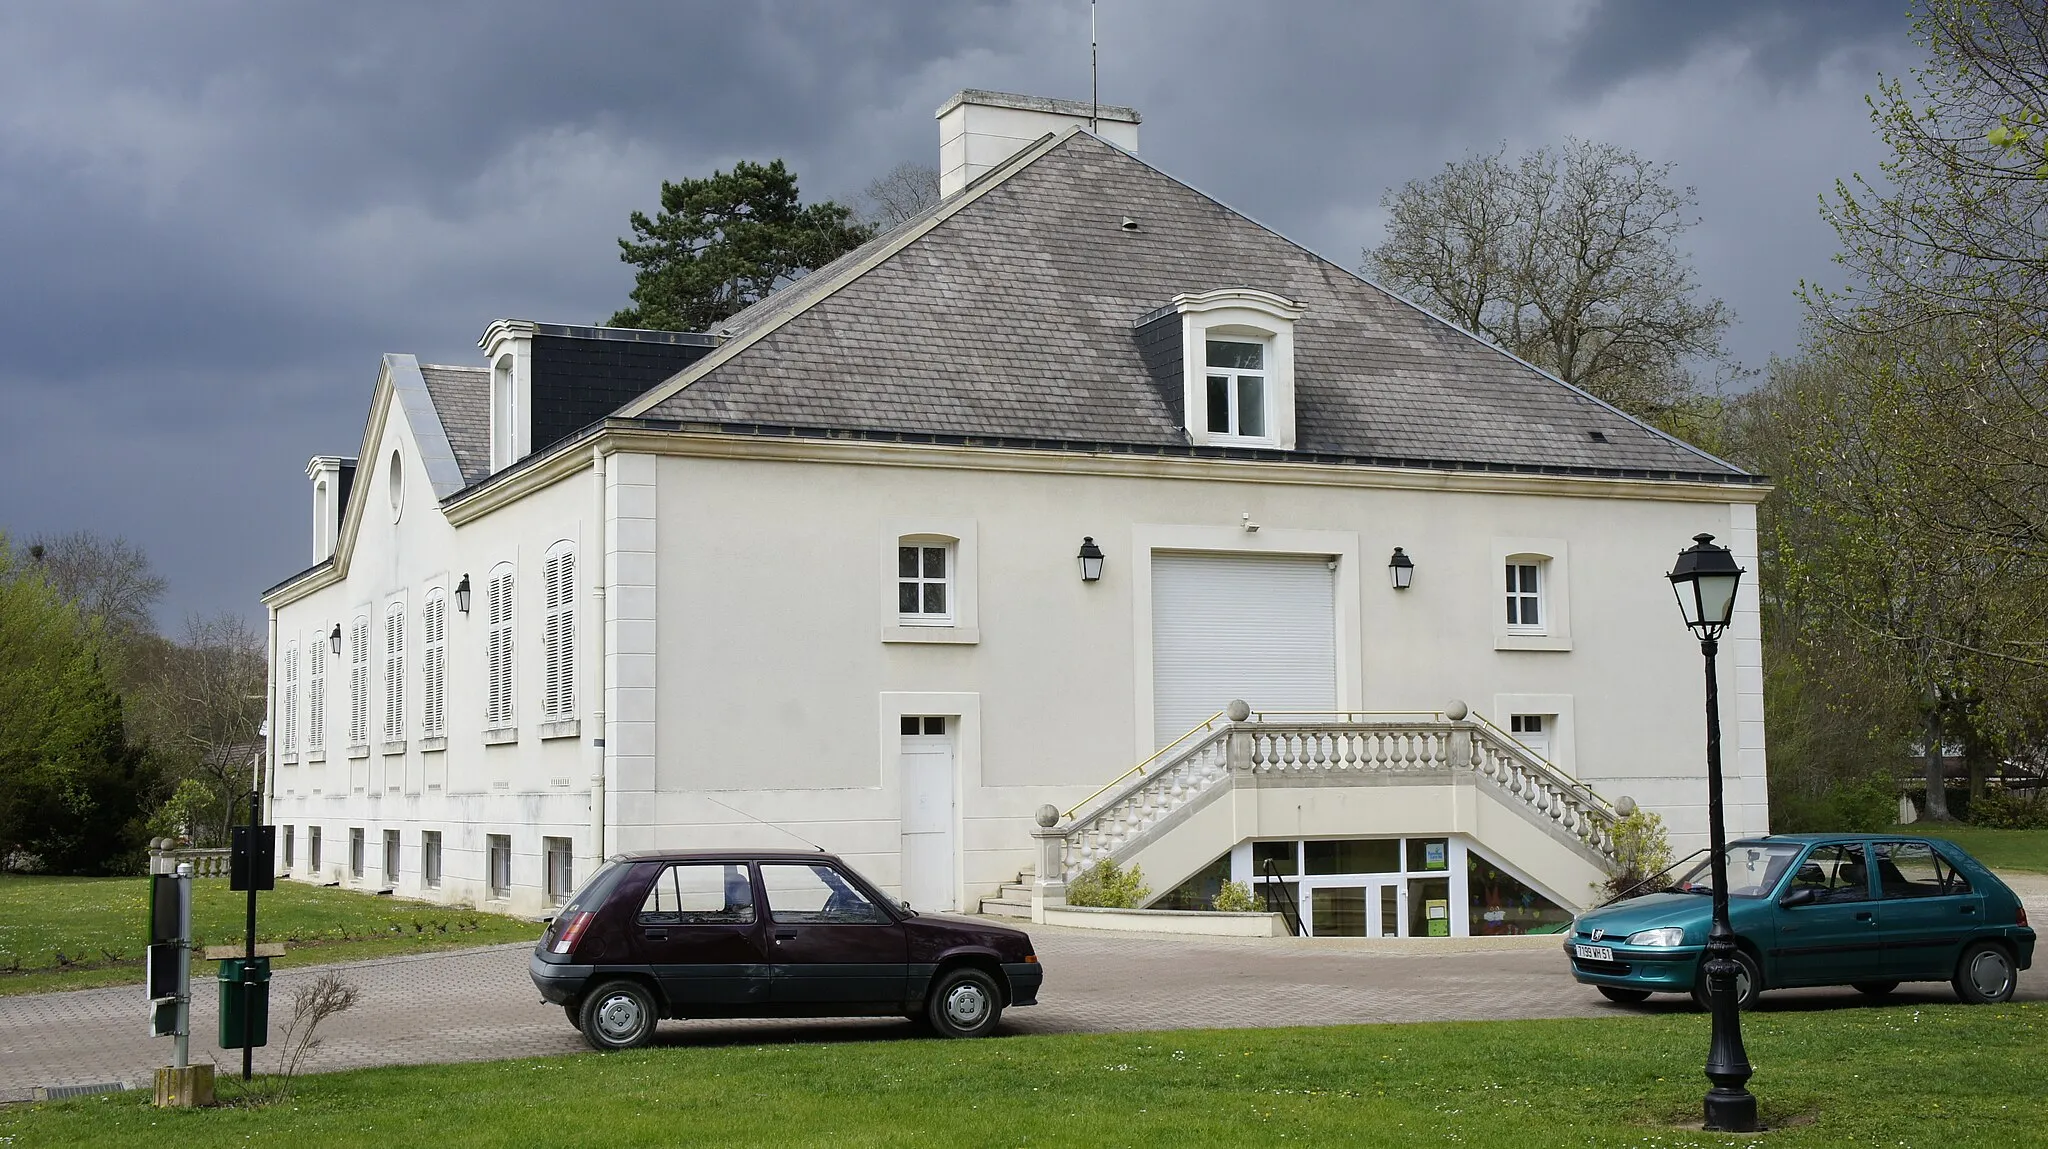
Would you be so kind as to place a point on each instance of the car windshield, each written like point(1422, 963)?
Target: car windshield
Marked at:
point(1753, 870)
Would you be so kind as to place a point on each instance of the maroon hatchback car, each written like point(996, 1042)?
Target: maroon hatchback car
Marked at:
point(716, 933)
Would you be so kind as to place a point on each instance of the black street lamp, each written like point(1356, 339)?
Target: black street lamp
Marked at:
point(334, 640)
point(1401, 569)
point(462, 595)
point(1704, 580)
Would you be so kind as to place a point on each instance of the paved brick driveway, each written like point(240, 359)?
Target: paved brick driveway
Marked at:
point(478, 1004)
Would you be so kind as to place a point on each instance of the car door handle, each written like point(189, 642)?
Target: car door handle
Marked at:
point(1969, 909)
point(1863, 916)
point(657, 935)
point(784, 935)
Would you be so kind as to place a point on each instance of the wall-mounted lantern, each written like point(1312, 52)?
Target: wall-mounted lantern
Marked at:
point(1091, 559)
point(462, 595)
point(334, 639)
point(1401, 568)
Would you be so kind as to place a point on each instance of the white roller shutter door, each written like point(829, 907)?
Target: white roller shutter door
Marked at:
point(1262, 629)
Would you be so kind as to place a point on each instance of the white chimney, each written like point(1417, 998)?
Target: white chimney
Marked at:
point(979, 130)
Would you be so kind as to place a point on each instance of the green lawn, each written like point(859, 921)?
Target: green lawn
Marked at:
point(1943, 1075)
point(2025, 850)
point(99, 926)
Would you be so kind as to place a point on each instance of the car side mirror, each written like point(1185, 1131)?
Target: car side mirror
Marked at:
point(905, 903)
point(1803, 896)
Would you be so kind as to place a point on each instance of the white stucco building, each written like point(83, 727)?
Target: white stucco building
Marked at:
point(820, 569)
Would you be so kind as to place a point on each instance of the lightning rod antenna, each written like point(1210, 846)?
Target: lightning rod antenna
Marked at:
point(1094, 86)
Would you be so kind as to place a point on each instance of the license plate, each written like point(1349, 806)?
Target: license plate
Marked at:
point(1594, 953)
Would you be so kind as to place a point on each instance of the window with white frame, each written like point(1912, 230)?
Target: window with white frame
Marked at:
point(289, 704)
point(1236, 389)
point(359, 682)
point(561, 863)
point(1525, 594)
point(355, 852)
point(430, 859)
point(313, 849)
point(504, 413)
point(924, 582)
point(316, 696)
point(499, 711)
point(498, 859)
point(287, 835)
point(434, 665)
point(391, 852)
point(394, 673)
point(558, 634)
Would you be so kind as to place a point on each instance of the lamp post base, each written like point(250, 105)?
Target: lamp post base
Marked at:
point(1730, 1109)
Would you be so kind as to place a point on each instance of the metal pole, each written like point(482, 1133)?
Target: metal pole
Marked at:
point(1729, 1106)
point(249, 953)
point(1094, 86)
point(182, 1049)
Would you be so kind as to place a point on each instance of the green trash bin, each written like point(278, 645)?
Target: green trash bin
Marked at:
point(244, 985)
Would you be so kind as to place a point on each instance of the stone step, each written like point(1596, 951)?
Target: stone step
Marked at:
point(1017, 892)
point(1005, 908)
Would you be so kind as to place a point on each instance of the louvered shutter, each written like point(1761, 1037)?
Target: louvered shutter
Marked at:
point(1262, 629)
point(434, 668)
point(316, 708)
point(394, 675)
point(499, 652)
point(359, 682)
point(291, 698)
point(559, 635)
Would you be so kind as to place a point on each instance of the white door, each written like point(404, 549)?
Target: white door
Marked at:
point(1260, 628)
point(1533, 731)
point(926, 773)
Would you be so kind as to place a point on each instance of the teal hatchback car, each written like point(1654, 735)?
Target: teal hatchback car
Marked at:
point(1863, 910)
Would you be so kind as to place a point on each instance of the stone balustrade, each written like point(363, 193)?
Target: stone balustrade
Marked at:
point(1334, 750)
point(165, 854)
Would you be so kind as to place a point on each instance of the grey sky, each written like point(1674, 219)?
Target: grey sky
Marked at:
point(215, 217)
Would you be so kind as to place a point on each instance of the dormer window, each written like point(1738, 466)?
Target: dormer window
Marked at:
point(1237, 390)
point(1228, 356)
point(508, 345)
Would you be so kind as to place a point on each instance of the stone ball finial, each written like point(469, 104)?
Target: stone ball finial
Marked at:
point(1624, 805)
point(1048, 815)
point(1455, 710)
point(1238, 710)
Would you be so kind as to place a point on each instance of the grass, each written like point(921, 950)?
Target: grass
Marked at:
point(2025, 850)
point(1944, 1075)
point(99, 926)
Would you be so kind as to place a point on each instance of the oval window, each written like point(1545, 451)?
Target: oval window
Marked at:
point(397, 472)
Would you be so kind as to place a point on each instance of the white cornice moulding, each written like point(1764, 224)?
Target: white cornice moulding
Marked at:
point(1278, 306)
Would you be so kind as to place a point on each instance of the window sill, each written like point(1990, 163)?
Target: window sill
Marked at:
point(562, 728)
point(288, 760)
point(394, 747)
point(315, 756)
point(959, 635)
point(1532, 642)
point(501, 736)
point(359, 751)
point(429, 745)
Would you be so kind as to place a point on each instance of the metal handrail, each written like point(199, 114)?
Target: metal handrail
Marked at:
point(1557, 773)
point(1260, 715)
point(1288, 911)
point(1208, 723)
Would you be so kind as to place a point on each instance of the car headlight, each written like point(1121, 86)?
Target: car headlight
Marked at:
point(1667, 936)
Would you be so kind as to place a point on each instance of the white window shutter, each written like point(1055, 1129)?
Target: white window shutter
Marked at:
point(558, 636)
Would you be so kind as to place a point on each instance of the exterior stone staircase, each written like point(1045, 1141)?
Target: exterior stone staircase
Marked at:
point(1432, 771)
point(1015, 900)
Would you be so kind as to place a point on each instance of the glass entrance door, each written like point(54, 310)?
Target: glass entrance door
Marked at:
point(1352, 908)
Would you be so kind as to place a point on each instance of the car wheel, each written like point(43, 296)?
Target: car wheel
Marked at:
point(1874, 988)
point(618, 1015)
point(575, 1014)
point(1747, 983)
point(964, 1003)
point(1984, 975)
point(1624, 996)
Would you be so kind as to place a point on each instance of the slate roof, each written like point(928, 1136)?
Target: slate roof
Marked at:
point(462, 397)
point(1013, 319)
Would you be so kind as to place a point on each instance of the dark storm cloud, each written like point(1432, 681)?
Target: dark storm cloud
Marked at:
point(214, 218)
point(1621, 39)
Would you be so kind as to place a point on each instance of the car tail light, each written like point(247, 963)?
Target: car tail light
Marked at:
point(1033, 958)
point(2023, 915)
point(571, 932)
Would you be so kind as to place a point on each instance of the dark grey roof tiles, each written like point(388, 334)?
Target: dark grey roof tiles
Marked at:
point(1014, 318)
point(462, 397)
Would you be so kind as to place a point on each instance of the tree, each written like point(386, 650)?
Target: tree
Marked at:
point(720, 244)
point(73, 789)
point(202, 708)
point(1566, 257)
point(901, 194)
point(109, 579)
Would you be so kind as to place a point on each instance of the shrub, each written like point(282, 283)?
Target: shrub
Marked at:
point(1640, 850)
point(1107, 885)
point(1236, 898)
point(2010, 811)
point(1869, 806)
